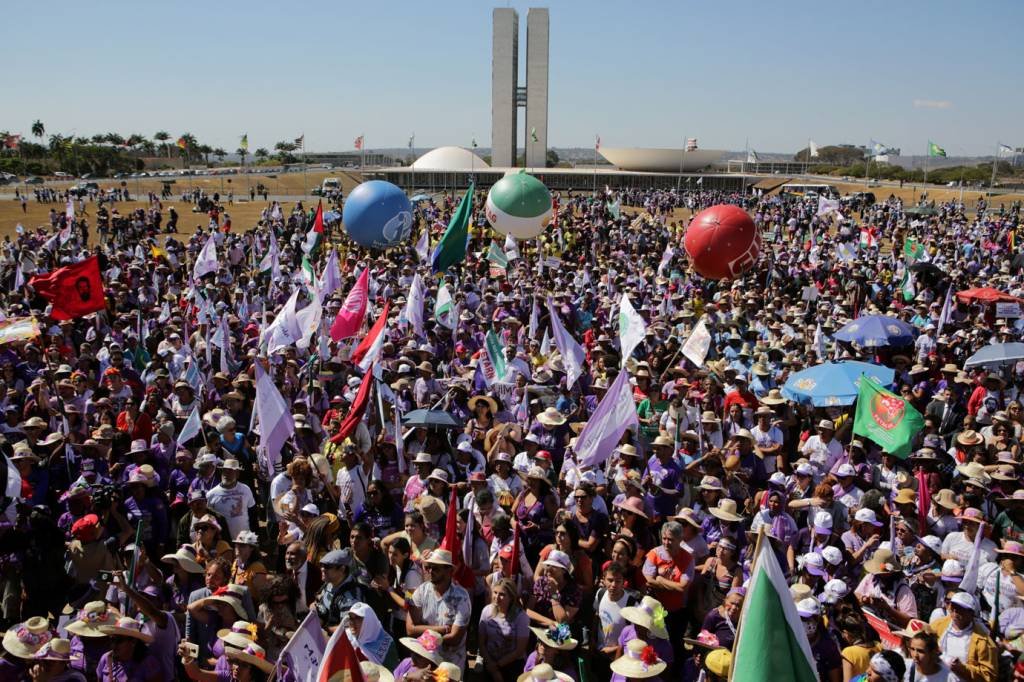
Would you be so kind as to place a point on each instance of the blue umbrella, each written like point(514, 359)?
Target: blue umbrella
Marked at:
point(876, 331)
point(833, 383)
point(996, 354)
point(331, 216)
point(420, 197)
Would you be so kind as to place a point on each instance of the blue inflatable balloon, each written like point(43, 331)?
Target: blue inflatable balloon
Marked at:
point(377, 215)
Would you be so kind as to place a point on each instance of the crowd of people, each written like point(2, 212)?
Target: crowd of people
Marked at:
point(149, 533)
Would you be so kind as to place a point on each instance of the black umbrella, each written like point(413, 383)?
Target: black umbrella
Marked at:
point(929, 271)
point(437, 419)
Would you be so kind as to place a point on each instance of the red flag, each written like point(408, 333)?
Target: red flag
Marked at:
point(355, 412)
point(924, 500)
point(352, 312)
point(340, 659)
point(515, 549)
point(374, 339)
point(359, 142)
point(462, 574)
point(318, 220)
point(74, 291)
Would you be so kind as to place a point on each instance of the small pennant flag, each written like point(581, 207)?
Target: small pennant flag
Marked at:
point(935, 150)
point(182, 142)
point(358, 142)
point(191, 428)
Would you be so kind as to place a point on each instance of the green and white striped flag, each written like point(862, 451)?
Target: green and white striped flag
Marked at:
point(771, 644)
point(907, 285)
point(308, 274)
point(495, 353)
point(498, 260)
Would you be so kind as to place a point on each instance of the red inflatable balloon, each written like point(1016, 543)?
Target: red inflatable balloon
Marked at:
point(722, 242)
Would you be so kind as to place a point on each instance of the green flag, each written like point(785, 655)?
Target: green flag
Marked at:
point(935, 150)
point(907, 285)
point(495, 353)
point(451, 250)
point(771, 644)
point(887, 419)
point(533, 134)
point(913, 250)
point(498, 260)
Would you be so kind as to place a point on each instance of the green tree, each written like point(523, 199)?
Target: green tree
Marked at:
point(551, 159)
point(837, 155)
point(220, 153)
point(261, 154)
point(38, 129)
point(115, 139)
point(162, 136)
point(242, 153)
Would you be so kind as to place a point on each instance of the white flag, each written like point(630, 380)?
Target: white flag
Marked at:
point(534, 320)
point(413, 313)
point(819, 342)
point(423, 245)
point(275, 420)
point(206, 261)
point(511, 248)
point(947, 309)
point(573, 355)
point(631, 328)
point(190, 429)
point(444, 308)
point(696, 347)
point(308, 321)
point(827, 206)
point(545, 344)
point(284, 330)
point(614, 414)
point(813, 148)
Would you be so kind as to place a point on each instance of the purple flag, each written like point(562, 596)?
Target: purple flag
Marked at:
point(573, 355)
point(614, 414)
point(330, 278)
point(275, 422)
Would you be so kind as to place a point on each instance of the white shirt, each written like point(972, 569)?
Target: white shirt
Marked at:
point(941, 675)
point(610, 615)
point(233, 504)
point(821, 455)
point(352, 486)
point(957, 546)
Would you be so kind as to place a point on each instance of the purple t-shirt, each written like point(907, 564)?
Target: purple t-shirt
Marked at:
point(502, 634)
point(826, 655)
point(127, 671)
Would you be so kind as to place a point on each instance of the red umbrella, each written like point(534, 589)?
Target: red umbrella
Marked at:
point(985, 295)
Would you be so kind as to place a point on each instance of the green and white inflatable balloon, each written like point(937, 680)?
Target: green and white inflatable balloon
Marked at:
point(519, 205)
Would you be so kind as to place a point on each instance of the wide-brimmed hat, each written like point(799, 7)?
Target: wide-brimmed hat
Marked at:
point(1016, 499)
point(439, 557)
point(240, 633)
point(905, 496)
point(551, 417)
point(970, 438)
point(57, 649)
point(427, 645)
point(774, 397)
point(253, 654)
point(726, 511)
point(488, 400)
point(543, 672)
point(91, 616)
point(184, 557)
point(232, 464)
point(558, 637)
point(559, 559)
point(946, 498)
point(25, 639)
point(638, 661)
point(706, 640)
point(649, 614)
point(232, 596)
point(711, 483)
point(628, 450)
point(971, 514)
point(882, 561)
point(126, 626)
point(439, 475)
point(709, 417)
point(633, 505)
point(374, 672)
point(431, 507)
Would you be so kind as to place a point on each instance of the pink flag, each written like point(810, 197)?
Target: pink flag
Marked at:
point(352, 312)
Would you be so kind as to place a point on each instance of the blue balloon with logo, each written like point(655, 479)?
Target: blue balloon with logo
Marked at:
point(377, 215)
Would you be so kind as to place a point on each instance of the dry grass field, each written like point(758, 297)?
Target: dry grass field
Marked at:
point(293, 185)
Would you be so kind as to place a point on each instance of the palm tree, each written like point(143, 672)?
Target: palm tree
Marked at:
point(220, 153)
point(162, 136)
point(99, 138)
point(38, 129)
point(261, 153)
point(242, 153)
point(205, 150)
point(135, 140)
point(115, 139)
point(191, 144)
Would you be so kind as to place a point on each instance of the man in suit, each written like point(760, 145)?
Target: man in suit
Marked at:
point(306, 576)
point(947, 413)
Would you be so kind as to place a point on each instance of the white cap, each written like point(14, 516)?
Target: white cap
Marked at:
point(835, 590)
point(813, 563)
point(822, 520)
point(804, 470)
point(846, 470)
point(866, 515)
point(832, 555)
point(808, 608)
point(965, 600)
point(932, 543)
point(952, 570)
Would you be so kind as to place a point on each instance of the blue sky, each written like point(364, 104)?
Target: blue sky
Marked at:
point(638, 73)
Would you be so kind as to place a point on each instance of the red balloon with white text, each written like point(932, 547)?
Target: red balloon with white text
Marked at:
point(722, 242)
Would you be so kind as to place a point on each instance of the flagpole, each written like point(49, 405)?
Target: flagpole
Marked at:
point(739, 624)
point(596, 144)
point(305, 166)
point(927, 154)
point(995, 161)
point(682, 161)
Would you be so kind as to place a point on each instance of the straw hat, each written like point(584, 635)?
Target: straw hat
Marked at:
point(1011, 548)
point(638, 661)
point(488, 400)
point(726, 511)
point(774, 397)
point(374, 672)
point(439, 557)
point(969, 438)
point(431, 507)
point(427, 645)
point(1016, 499)
point(127, 627)
point(253, 654)
point(57, 649)
point(551, 417)
point(543, 672)
point(946, 499)
point(633, 505)
point(649, 614)
point(239, 634)
point(557, 637)
point(91, 617)
point(232, 596)
point(882, 561)
point(24, 640)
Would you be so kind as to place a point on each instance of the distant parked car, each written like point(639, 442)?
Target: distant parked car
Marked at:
point(61, 174)
point(34, 180)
